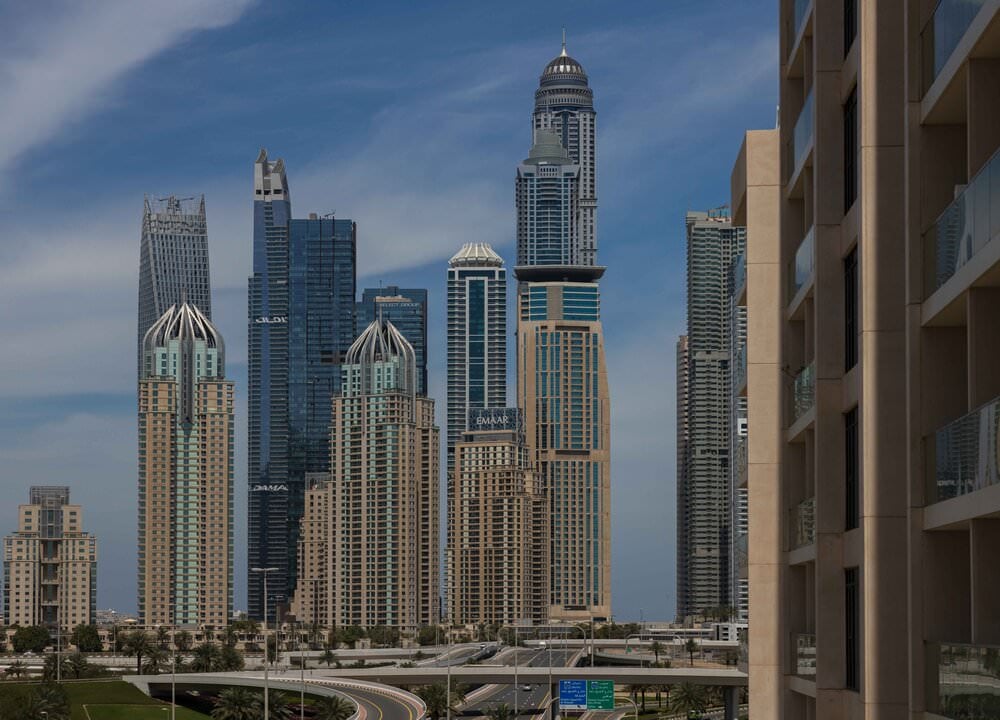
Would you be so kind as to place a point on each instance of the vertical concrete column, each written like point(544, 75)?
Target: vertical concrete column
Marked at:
point(984, 345)
point(984, 540)
point(983, 99)
point(731, 700)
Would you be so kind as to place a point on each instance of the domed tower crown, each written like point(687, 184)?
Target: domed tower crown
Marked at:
point(382, 342)
point(183, 322)
point(476, 255)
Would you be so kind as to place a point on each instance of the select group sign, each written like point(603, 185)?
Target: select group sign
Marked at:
point(586, 695)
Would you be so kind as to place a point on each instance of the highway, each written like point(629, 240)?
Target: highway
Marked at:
point(533, 699)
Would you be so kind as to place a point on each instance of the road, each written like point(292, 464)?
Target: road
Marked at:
point(534, 699)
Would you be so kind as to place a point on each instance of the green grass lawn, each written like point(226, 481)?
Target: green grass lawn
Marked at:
point(115, 699)
point(139, 712)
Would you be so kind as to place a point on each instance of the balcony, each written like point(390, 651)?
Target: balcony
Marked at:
point(740, 461)
point(968, 682)
point(966, 453)
point(741, 557)
point(740, 371)
point(802, 138)
point(800, 11)
point(942, 33)
point(740, 279)
point(800, 270)
point(804, 523)
point(803, 392)
point(805, 655)
point(966, 226)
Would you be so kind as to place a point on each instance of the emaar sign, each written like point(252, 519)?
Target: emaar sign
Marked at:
point(494, 419)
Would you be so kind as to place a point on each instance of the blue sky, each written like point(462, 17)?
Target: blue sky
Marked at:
point(409, 118)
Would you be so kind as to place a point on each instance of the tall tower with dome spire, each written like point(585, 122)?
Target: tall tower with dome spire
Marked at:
point(564, 104)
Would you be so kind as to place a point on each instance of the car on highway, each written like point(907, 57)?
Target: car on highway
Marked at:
point(526, 688)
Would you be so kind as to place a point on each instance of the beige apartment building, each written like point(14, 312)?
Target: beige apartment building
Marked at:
point(498, 526)
point(368, 553)
point(49, 564)
point(185, 513)
point(874, 490)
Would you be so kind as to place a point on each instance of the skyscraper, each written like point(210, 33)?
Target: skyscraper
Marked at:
point(301, 321)
point(547, 195)
point(499, 525)
point(681, 587)
point(173, 260)
point(562, 389)
point(406, 309)
point(704, 527)
point(369, 550)
point(49, 564)
point(564, 104)
point(185, 474)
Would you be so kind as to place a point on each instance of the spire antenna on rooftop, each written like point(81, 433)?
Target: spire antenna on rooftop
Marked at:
point(563, 53)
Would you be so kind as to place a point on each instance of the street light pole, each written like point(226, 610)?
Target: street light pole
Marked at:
point(517, 688)
point(448, 664)
point(265, 571)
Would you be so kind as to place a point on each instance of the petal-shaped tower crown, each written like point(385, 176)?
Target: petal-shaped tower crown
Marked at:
point(182, 322)
point(476, 255)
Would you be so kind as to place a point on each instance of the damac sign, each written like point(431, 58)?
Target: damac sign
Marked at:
point(269, 488)
point(272, 320)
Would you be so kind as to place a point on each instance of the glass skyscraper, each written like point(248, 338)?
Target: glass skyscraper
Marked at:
point(173, 260)
point(301, 322)
point(406, 309)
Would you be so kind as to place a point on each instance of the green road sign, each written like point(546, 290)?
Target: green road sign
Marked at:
point(600, 694)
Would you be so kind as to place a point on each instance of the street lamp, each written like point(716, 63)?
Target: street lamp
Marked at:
point(264, 572)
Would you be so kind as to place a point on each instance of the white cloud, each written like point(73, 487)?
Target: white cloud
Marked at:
point(56, 69)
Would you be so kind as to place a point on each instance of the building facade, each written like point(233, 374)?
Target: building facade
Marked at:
point(185, 474)
point(498, 540)
point(713, 243)
point(564, 104)
point(406, 309)
point(301, 320)
point(49, 564)
point(369, 553)
point(547, 196)
point(562, 390)
point(173, 260)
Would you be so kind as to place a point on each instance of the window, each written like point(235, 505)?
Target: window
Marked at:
point(852, 640)
point(851, 150)
point(851, 309)
point(850, 24)
point(852, 470)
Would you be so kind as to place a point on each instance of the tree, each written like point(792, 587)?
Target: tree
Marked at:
point(182, 641)
point(687, 698)
point(329, 658)
point(49, 701)
point(500, 712)
point(75, 665)
point(237, 703)
point(229, 636)
point(16, 669)
point(349, 635)
point(638, 689)
point(691, 647)
point(333, 708)
point(384, 635)
point(428, 635)
point(657, 648)
point(156, 660)
point(435, 697)
point(207, 658)
point(33, 638)
point(162, 637)
point(279, 705)
point(137, 643)
point(272, 649)
point(86, 638)
point(230, 659)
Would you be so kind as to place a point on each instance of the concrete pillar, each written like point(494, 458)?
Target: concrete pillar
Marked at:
point(731, 698)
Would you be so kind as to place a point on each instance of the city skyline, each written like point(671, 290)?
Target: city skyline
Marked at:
point(407, 269)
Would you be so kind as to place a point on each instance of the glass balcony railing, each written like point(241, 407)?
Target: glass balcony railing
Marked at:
point(802, 134)
point(804, 523)
point(743, 659)
point(968, 682)
point(798, 19)
point(739, 275)
point(967, 225)
point(740, 368)
point(942, 33)
point(741, 557)
point(966, 453)
point(800, 269)
point(740, 457)
point(804, 391)
point(805, 654)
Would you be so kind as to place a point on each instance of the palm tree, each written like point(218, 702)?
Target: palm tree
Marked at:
point(49, 701)
point(687, 698)
point(328, 657)
point(657, 648)
point(137, 643)
point(162, 637)
point(500, 712)
point(207, 658)
point(15, 669)
point(333, 708)
point(279, 705)
point(691, 647)
point(435, 698)
point(156, 661)
point(75, 665)
point(182, 641)
point(229, 636)
point(237, 703)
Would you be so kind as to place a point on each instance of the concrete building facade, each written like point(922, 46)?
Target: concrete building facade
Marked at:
point(369, 549)
point(498, 542)
point(49, 564)
point(186, 426)
point(562, 390)
point(705, 511)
